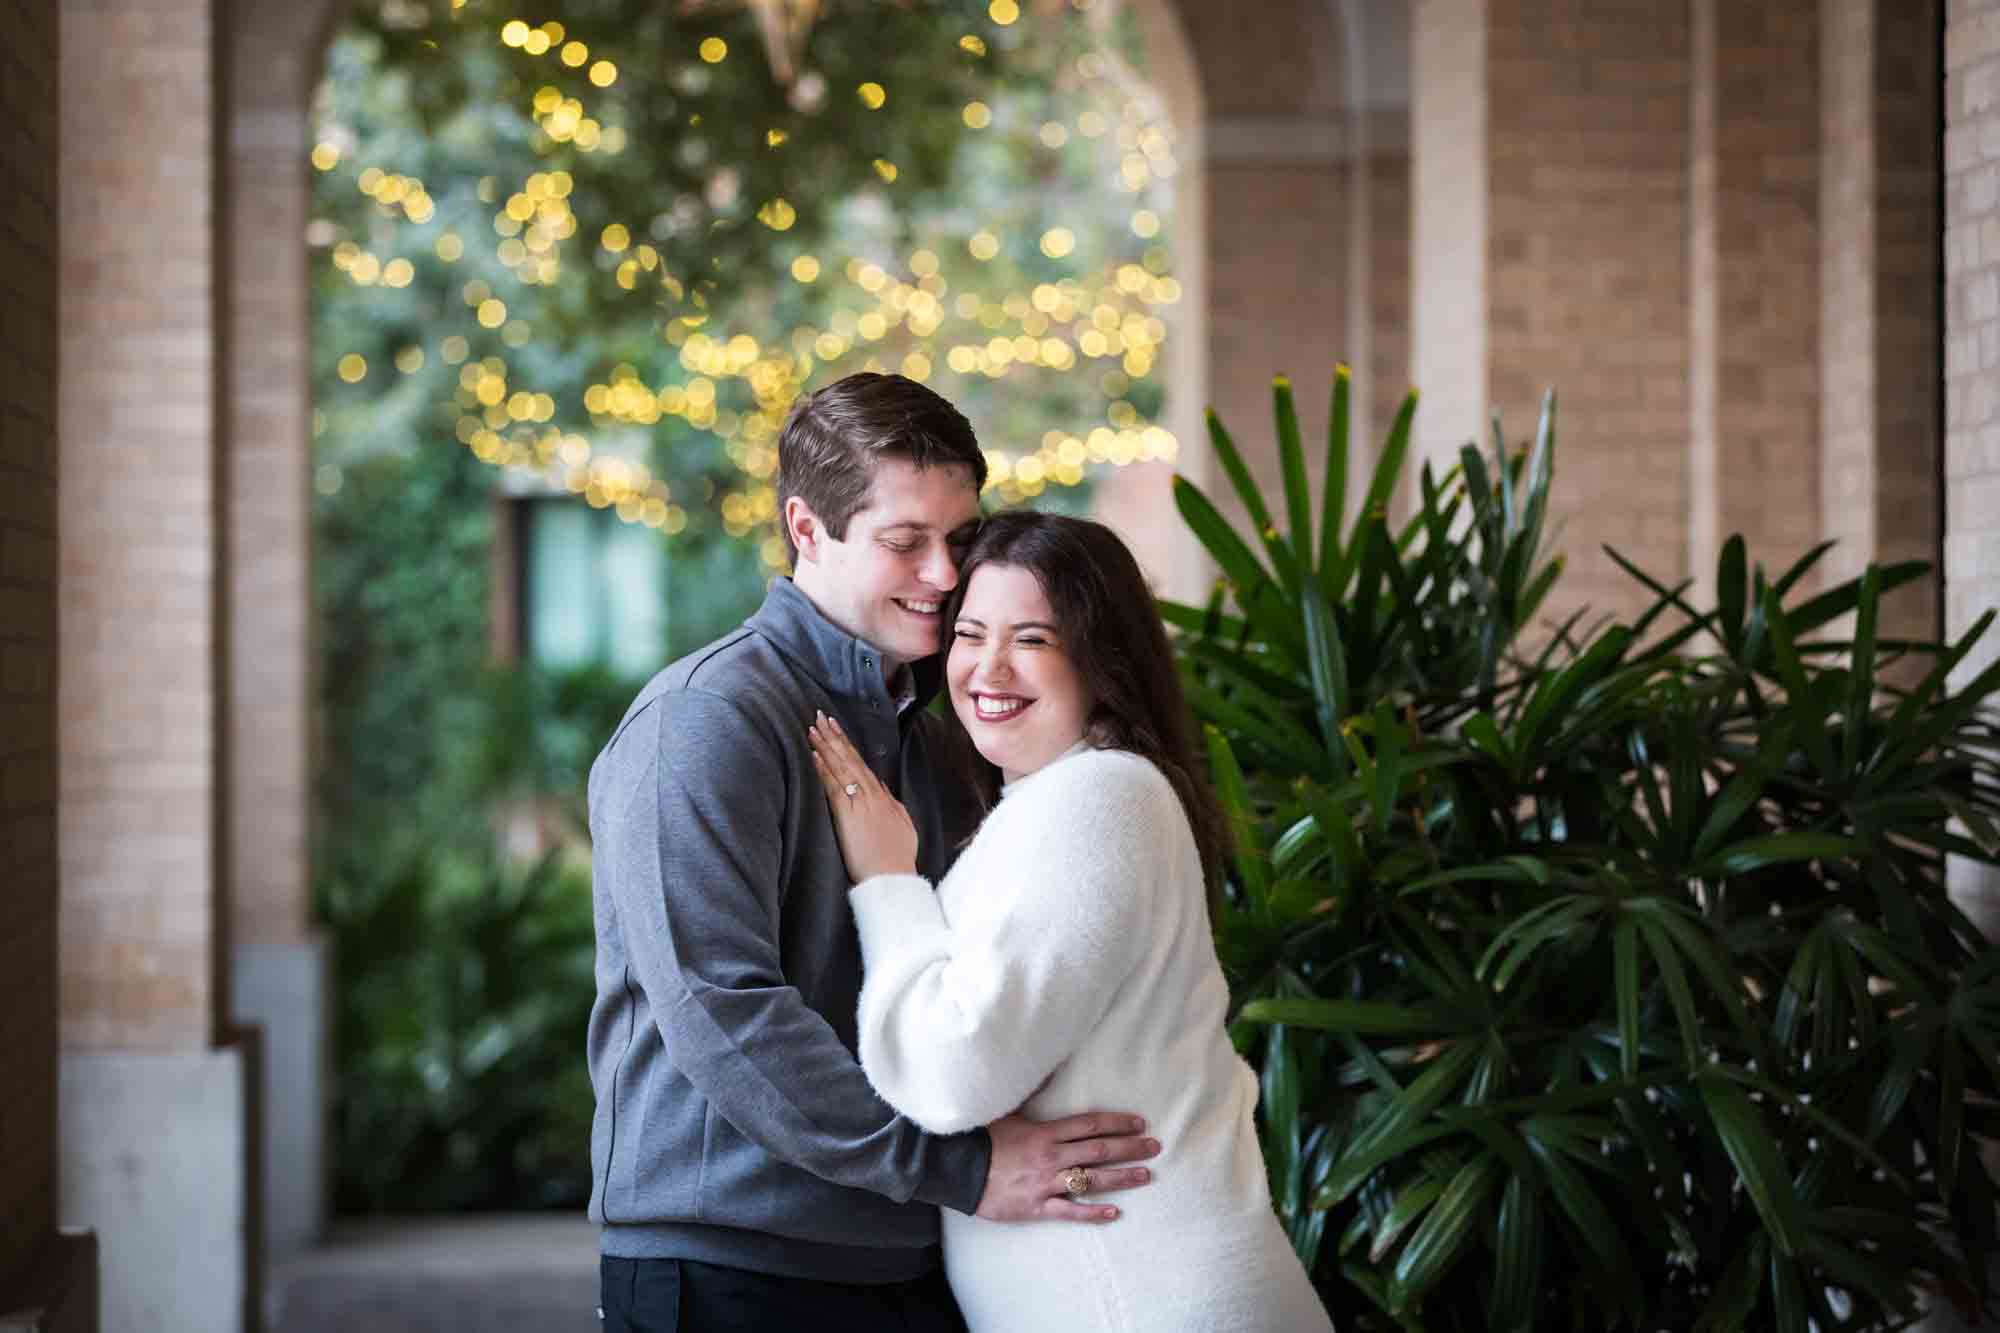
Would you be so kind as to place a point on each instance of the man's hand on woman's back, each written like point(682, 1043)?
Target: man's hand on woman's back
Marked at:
point(1026, 1181)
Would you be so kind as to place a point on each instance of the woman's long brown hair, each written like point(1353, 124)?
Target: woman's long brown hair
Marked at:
point(1114, 637)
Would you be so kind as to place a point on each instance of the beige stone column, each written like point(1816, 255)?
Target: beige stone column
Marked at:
point(1879, 274)
point(1972, 362)
point(281, 968)
point(1754, 276)
point(38, 1270)
point(1449, 261)
point(156, 1098)
point(1137, 500)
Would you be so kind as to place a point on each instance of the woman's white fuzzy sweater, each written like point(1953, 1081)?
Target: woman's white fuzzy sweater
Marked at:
point(1065, 965)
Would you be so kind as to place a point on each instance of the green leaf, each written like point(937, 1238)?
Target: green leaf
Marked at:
point(1732, 586)
point(1235, 799)
point(1836, 602)
point(1811, 719)
point(1408, 1207)
point(1625, 947)
point(1517, 1253)
point(1292, 464)
point(1213, 706)
point(1757, 1160)
point(1333, 507)
point(1788, 1297)
point(1227, 454)
point(1375, 506)
point(1282, 1134)
point(1365, 1016)
point(1861, 671)
point(1754, 854)
point(1679, 994)
point(1445, 1232)
point(1592, 1223)
point(1238, 563)
point(1326, 660)
point(1951, 1114)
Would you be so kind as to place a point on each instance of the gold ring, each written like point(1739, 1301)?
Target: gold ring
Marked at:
point(852, 789)
point(1076, 1182)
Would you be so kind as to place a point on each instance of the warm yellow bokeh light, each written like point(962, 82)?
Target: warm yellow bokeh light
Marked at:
point(971, 42)
point(604, 74)
point(454, 349)
point(778, 215)
point(1054, 134)
point(1003, 12)
point(775, 138)
point(410, 360)
point(805, 268)
point(492, 313)
point(1057, 242)
point(536, 42)
point(983, 245)
point(514, 33)
point(573, 55)
point(1146, 223)
point(872, 95)
point(886, 170)
point(977, 115)
point(398, 273)
point(325, 156)
point(714, 50)
point(352, 368)
point(615, 238)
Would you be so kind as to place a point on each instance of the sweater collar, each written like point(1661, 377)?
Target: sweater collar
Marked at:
point(1009, 788)
point(846, 666)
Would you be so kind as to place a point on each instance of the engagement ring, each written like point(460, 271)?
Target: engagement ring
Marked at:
point(852, 789)
point(1076, 1181)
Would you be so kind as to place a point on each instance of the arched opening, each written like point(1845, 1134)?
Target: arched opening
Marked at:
point(597, 453)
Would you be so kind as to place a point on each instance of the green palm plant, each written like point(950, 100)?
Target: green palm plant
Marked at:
point(1610, 985)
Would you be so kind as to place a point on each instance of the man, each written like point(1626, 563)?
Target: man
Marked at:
point(744, 1173)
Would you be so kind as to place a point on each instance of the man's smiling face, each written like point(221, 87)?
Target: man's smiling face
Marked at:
point(885, 582)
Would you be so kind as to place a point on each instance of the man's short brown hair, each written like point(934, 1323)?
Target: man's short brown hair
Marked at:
point(833, 439)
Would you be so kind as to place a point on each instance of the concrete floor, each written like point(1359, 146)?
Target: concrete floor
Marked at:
point(442, 1275)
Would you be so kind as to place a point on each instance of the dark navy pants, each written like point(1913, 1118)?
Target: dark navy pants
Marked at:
point(682, 1296)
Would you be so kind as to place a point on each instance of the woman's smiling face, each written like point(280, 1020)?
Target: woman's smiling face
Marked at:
point(1012, 682)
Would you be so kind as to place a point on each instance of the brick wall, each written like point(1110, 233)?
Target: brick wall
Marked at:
point(1879, 313)
point(1388, 309)
point(1755, 281)
point(1972, 356)
point(1277, 285)
point(269, 474)
point(1587, 286)
point(27, 630)
point(138, 505)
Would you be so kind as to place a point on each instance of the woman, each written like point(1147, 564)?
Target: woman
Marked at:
point(1065, 962)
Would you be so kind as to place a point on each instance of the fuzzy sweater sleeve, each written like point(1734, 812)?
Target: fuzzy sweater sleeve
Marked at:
point(961, 1021)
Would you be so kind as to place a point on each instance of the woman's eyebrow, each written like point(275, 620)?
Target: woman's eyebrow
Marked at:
point(1018, 626)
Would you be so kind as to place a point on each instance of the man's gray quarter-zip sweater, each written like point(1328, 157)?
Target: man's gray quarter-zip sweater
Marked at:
point(733, 1123)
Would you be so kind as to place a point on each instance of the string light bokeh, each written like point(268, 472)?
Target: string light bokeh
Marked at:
point(1096, 317)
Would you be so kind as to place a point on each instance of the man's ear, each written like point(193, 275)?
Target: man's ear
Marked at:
point(803, 526)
